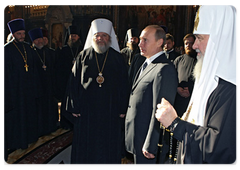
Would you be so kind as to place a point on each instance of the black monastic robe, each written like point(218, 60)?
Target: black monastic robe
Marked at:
point(65, 59)
point(172, 55)
point(129, 54)
point(97, 132)
point(136, 63)
point(21, 91)
point(184, 65)
point(215, 141)
point(46, 105)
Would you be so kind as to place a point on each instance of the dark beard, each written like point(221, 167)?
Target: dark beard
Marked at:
point(74, 45)
point(17, 40)
point(133, 46)
point(191, 53)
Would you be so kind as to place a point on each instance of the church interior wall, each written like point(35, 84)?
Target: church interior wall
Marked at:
point(178, 19)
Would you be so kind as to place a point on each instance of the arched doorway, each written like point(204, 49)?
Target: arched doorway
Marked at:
point(57, 21)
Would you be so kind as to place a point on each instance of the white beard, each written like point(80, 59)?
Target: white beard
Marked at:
point(198, 68)
point(100, 49)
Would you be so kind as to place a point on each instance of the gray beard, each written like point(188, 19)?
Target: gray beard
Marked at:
point(100, 49)
point(39, 47)
point(198, 68)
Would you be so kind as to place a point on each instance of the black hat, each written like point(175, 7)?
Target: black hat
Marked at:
point(73, 30)
point(132, 32)
point(164, 28)
point(35, 34)
point(16, 25)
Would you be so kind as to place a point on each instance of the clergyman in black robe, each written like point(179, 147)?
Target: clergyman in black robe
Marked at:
point(46, 104)
point(97, 107)
point(131, 45)
point(65, 59)
point(97, 131)
point(169, 47)
point(207, 130)
point(21, 90)
point(184, 65)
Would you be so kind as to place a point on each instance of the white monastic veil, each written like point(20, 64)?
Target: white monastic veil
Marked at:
point(220, 56)
point(102, 25)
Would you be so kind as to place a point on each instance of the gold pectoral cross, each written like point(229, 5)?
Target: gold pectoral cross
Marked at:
point(44, 67)
point(26, 66)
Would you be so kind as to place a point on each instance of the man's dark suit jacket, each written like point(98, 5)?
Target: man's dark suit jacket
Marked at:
point(158, 80)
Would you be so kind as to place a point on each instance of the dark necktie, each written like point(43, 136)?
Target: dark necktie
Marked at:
point(144, 66)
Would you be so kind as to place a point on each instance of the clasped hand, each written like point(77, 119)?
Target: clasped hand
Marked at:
point(184, 92)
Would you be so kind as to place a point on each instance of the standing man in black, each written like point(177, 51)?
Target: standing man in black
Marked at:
point(45, 37)
point(184, 65)
point(65, 59)
point(155, 79)
point(46, 105)
point(169, 48)
point(21, 89)
point(131, 41)
point(134, 67)
point(97, 97)
point(46, 45)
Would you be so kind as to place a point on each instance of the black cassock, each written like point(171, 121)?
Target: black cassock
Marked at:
point(46, 105)
point(136, 63)
point(215, 142)
point(65, 59)
point(20, 97)
point(184, 65)
point(97, 132)
point(129, 54)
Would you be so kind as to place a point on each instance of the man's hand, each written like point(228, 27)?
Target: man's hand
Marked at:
point(165, 113)
point(76, 115)
point(122, 115)
point(147, 154)
point(184, 92)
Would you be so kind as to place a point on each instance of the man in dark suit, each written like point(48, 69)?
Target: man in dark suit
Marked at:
point(154, 80)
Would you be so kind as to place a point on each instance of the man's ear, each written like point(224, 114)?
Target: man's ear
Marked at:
point(160, 42)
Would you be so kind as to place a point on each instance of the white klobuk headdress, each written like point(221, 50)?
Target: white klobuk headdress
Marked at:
point(102, 25)
point(219, 60)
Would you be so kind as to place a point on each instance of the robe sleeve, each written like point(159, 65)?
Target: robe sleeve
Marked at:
point(74, 88)
point(215, 142)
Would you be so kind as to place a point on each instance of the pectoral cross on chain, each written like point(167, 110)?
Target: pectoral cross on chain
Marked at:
point(26, 66)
